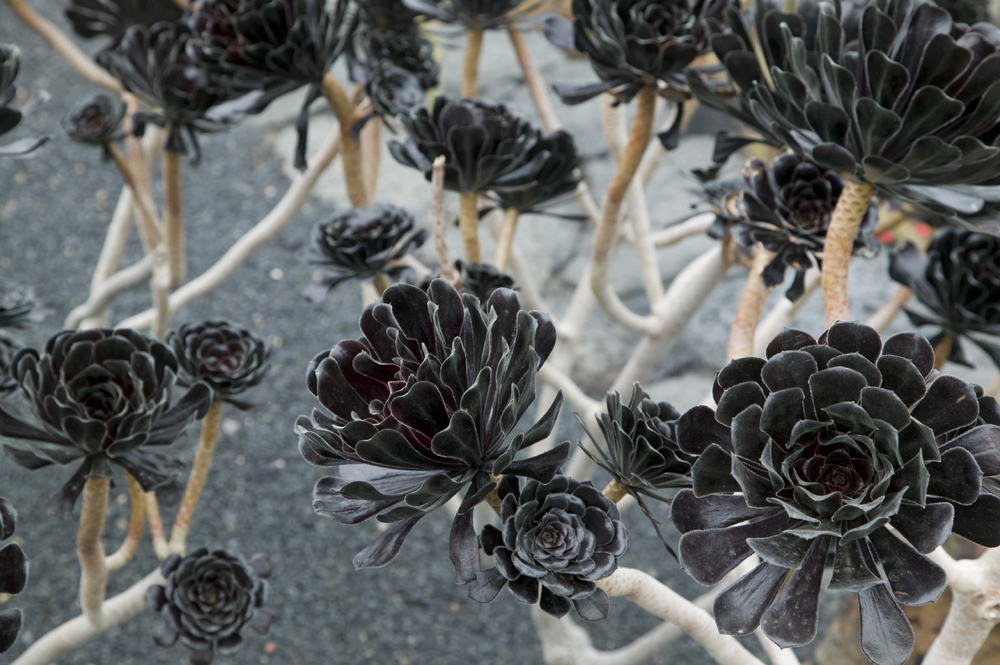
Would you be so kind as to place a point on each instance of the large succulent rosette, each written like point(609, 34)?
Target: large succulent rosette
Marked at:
point(208, 599)
point(112, 18)
point(101, 397)
point(422, 407)
point(485, 144)
point(10, 117)
point(637, 43)
point(556, 539)
point(156, 65)
point(230, 359)
point(556, 173)
point(787, 206)
point(810, 456)
point(958, 282)
point(361, 243)
point(911, 105)
point(13, 575)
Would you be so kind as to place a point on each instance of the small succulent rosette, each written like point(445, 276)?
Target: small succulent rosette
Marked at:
point(208, 600)
point(17, 306)
point(812, 454)
point(958, 283)
point(96, 121)
point(555, 541)
point(227, 357)
point(13, 575)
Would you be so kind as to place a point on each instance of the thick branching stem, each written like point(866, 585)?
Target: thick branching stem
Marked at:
point(749, 309)
point(468, 224)
point(109, 288)
point(606, 233)
point(506, 238)
point(437, 220)
point(64, 46)
point(663, 602)
point(199, 474)
point(350, 147)
point(89, 550)
point(533, 81)
point(470, 66)
point(975, 608)
point(615, 491)
point(149, 225)
point(173, 216)
point(943, 350)
point(886, 314)
point(371, 153)
point(137, 520)
point(280, 216)
point(839, 245)
point(156, 532)
point(783, 314)
point(75, 632)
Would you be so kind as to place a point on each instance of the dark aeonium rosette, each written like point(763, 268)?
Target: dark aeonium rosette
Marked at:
point(227, 357)
point(810, 456)
point(422, 408)
point(556, 540)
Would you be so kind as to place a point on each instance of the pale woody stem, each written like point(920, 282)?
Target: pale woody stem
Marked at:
point(468, 223)
point(89, 550)
point(350, 148)
point(470, 67)
point(199, 474)
point(750, 307)
point(137, 520)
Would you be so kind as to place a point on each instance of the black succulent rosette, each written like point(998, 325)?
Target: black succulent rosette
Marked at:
point(101, 397)
point(209, 598)
point(475, 14)
point(277, 45)
point(10, 117)
point(555, 173)
point(96, 121)
point(958, 282)
point(393, 91)
point(156, 65)
point(112, 18)
point(13, 575)
point(422, 407)
point(17, 305)
point(557, 539)
point(8, 384)
point(386, 16)
point(485, 144)
point(637, 43)
point(230, 359)
point(361, 243)
point(787, 207)
point(809, 457)
point(877, 109)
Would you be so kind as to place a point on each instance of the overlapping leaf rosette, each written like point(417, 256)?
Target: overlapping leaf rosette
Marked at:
point(555, 173)
point(637, 43)
point(422, 407)
point(362, 243)
point(101, 397)
point(13, 575)
point(958, 283)
point(556, 540)
point(810, 457)
point(786, 206)
point(16, 305)
point(911, 105)
point(112, 18)
point(478, 279)
point(209, 598)
point(96, 121)
point(229, 358)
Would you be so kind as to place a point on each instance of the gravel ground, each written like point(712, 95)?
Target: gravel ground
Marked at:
point(53, 214)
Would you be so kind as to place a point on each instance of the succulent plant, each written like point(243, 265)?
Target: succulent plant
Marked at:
point(405, 49)
point(95, 121)
point(101, 397)
point(361, 243)
point(16, 305)
point(477, 279)
point(112, 18)
point(967, 11)
point(556, 173)
point(423, 407)
point(208, 599)
point(637, 43)
point(809, 457)
point(10, 63)
point(877, 109)
point(557, 539)
point(958, 282)
point(786, 207)
point(390, 16)
point(157, 66)
point(393, 90)
point(474, 14)
point(13, 575)
point(485, 144)
point(8, 347)
point(230, 359)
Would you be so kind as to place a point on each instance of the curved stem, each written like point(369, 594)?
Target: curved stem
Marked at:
point(943, 350)
point(354, 172)
point(64, 46)
point(173, 216)
point(89, 550)
point(137, 520)
point(885, 314)
point(371, 153)
point(782, 314)
point(199, 474)
point(974, 612)
point(156, 532)
point(751, 305)
point(533, 81)
point(837, 249)
point(110, 287)
point(468, 223)
point(148, 223)
point(437, 221)
point(506, 238)
point(470, 66)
